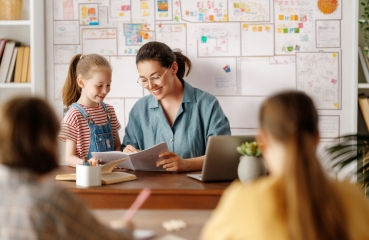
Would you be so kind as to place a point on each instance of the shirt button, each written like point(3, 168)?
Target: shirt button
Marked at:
point(171, 140)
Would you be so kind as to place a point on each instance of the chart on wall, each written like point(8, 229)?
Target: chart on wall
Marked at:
point(241, 50)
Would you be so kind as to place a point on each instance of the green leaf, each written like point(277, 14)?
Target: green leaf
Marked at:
point(362, 3)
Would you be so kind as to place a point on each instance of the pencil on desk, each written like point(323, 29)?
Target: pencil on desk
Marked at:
point(141, 198)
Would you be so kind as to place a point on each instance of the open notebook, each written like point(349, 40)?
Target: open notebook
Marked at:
point(107, 174)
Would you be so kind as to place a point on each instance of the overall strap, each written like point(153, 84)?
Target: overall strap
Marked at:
point(81, 110)
point(106, 109)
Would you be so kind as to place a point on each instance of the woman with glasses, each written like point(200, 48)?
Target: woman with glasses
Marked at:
point(175, 112)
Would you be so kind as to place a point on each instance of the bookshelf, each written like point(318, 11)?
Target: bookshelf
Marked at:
point(30, 31)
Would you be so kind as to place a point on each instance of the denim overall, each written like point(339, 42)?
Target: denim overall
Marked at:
point(101, 136)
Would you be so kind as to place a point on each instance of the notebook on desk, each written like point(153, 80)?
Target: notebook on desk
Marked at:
point(221, 158)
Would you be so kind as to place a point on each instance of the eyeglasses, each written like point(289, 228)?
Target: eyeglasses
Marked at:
point(155, 79)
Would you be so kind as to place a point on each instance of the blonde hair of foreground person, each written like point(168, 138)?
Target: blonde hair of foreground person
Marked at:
point(30, 207)
point(297, 201)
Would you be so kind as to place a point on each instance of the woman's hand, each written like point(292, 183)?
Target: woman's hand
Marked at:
point(130, 149)
point(172, 162)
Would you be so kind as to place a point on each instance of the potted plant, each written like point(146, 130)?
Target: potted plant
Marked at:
point(364, 26)
point(352, 148)
point(251, 165)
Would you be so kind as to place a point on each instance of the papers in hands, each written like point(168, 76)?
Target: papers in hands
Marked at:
point(144, 160)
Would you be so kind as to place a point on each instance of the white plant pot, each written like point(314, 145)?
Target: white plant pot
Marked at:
point(250, 168)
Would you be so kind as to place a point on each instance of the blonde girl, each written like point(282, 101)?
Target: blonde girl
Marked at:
point(90, 125)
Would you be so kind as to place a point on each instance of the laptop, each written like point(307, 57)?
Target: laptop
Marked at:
point(221, 158)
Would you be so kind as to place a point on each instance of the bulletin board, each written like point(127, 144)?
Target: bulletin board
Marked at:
point(242, 51)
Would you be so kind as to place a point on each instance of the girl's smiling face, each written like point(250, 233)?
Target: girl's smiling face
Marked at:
point(95, 89)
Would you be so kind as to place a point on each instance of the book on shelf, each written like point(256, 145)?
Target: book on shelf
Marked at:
point(364, 107)
point(18, 65)
point(6, 59)
point(144, 160)
point(10, 76)
point(2, 47)
point(25, 63)
point(107, 174)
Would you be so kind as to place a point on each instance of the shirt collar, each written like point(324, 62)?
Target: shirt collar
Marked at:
point(188, 95)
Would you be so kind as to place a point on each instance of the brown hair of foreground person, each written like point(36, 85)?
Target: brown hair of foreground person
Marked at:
point(28, 144)
point(314, 208)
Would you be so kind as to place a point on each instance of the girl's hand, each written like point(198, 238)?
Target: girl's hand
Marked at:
point(94, 162)
point(172, 162)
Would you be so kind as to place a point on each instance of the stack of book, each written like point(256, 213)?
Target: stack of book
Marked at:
point(14, 62)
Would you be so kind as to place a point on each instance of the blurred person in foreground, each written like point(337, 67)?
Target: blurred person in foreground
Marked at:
point(31, 208)
point(297, 201)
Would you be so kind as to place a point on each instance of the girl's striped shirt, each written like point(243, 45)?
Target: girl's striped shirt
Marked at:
point(74, 127)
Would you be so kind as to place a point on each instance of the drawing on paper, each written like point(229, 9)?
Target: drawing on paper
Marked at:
point(327, 6)
point(133, 33)
point(66, 32)
point(317, 74)
point(163, 8)
point(328, 33)
point(204, 11)
point(215, 39)
point(89, 14)
point(249, 10)
point(294, 29)
point(144, 6)
point(120, 9)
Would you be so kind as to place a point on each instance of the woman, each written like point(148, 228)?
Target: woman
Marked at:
point(31, 208)
point(175, 112)
point(297, 200)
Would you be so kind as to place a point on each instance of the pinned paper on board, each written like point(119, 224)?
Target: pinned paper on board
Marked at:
point(317, 74)
point(88, 14)
point(328, 33)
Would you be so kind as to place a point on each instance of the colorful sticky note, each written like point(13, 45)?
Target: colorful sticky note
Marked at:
point(334, 81)
point(290, 48)
point(301, 25)
point(236, 5)
point(285, 30)
point(260, 28)
point(203, 39)
point(211, 18)
point(254, 29)
point(297, 30)
point(281, 17)
point(279, 30)
point(336, 105)
point(245, 27)
point(334, 55)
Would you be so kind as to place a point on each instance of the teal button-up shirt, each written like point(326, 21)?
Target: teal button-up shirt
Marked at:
point(199, 116)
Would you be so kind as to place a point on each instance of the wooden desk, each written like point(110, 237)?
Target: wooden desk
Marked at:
point(153, 219)
point(168, 191)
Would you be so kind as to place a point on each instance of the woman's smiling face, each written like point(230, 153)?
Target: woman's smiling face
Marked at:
point(159, 79)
